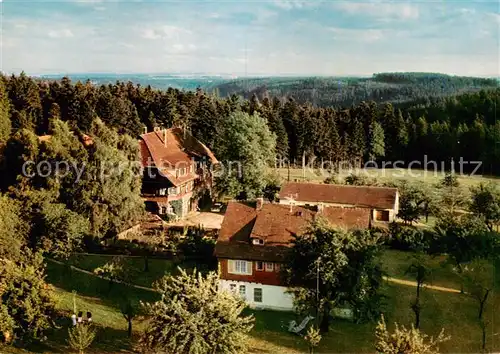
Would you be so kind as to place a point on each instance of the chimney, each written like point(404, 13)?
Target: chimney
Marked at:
point(260, 202)
point(145, 129)
point(165, 137)
point(320, 207)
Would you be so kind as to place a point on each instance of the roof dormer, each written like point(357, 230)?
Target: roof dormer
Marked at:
point(257, 241)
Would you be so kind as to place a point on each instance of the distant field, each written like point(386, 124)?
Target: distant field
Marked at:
point(383, 175)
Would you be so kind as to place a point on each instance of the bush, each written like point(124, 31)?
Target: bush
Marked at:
point(333, 179)
point(360, 180)
point(406, 238)
point(197, 245)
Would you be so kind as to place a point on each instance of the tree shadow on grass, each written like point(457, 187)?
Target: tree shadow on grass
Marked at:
point(270, 332)
point(91, 286)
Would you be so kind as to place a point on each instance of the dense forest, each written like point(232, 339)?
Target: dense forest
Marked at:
point(455, 126)
point(395, 88)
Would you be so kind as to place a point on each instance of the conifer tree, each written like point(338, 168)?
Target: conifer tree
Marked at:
point(5, 123)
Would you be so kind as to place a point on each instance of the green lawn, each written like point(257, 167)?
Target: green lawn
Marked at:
point(134, 267)
point(395, 264)
point(385, 175)
point(456, 313)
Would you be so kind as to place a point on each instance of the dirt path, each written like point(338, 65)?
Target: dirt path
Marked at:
point(427, 286)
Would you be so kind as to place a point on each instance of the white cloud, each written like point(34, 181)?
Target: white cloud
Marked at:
point(174, 31)
point(399, 10)
point(495, 16)
point(295, 4)
point(62, 33)
point(150, 34)
point(363, 35)
point(180, 48)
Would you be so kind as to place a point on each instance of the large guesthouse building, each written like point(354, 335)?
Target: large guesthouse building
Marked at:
point(254, 240)
point(176, 171)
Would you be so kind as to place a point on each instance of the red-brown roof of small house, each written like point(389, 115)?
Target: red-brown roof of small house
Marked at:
point(178, 151)
point(359, 196)
point(276, 225)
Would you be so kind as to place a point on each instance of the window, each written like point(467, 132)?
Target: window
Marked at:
point(257, 295)
point(257, 241)
point(382, 215)
point(239, 267)
point(232, 287)
point(173, 191)
point(269, 267)
point(243, 291)
point(276, 267)
point(163, 210)
point(259, 265)
point(162, 191)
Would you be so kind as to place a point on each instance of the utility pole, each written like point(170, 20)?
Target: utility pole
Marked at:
point(317, 291)
point(291, 200)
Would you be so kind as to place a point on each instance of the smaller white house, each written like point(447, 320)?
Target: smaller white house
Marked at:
point(254, 240)
point(260, 296)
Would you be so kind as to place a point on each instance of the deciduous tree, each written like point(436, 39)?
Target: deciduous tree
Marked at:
point(486, 202)
point(328, 267)
point(406, 341)
point(26, 301)
point(193, 316)
point(246, 149)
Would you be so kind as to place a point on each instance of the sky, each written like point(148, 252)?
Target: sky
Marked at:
point(269, 37)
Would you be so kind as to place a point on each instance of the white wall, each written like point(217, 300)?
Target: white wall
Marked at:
point(273, 297)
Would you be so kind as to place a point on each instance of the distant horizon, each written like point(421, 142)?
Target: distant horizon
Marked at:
point(239, 75)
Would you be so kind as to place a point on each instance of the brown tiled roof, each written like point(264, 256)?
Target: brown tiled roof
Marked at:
point(179, 150)
point(276, 225)
point(359, 196)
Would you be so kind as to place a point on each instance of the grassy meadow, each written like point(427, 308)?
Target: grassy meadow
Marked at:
point(456, 313)
point(383, 175)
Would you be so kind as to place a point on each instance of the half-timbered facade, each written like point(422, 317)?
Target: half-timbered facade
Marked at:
point(176, 171)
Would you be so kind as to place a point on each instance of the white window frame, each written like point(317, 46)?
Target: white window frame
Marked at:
point(173, 191)
point(162, 191)
point(255, 295)
point(239, 267)
point(242, 291)
point(269, 266)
